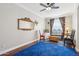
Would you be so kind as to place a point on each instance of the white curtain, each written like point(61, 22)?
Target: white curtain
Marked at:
point(57, 27)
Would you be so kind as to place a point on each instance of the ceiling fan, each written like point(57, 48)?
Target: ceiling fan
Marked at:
point(48, 6)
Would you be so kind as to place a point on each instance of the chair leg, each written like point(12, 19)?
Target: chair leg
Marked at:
point(73, 44)
point(64, 43)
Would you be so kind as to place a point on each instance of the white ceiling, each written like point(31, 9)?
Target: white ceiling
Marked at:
point(65, 8)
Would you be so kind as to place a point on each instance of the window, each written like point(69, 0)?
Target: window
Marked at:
point(57, 28)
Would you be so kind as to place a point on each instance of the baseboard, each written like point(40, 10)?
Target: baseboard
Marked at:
point(77, 50)
point(16, 49)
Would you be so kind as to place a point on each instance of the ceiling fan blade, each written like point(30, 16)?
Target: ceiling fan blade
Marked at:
point(51, 4)
point(55, 7)
point(42, 10)
point(43, 5)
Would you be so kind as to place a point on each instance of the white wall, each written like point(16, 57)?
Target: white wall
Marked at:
point(10, 37)
point(74, 20)
point(76, 25)
point(47, 26)
point(77, 42)
point(68, 23)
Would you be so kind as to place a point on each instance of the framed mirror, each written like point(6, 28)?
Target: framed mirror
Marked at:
point(25, 24)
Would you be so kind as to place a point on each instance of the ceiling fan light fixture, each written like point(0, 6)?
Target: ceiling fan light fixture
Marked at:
point(49, 8)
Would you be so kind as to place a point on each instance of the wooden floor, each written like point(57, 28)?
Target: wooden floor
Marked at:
point(12, 52)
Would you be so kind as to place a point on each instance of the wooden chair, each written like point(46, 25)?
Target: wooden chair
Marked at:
point(70, 41)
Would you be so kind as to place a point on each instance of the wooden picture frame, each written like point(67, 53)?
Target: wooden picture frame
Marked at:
point(25, 24)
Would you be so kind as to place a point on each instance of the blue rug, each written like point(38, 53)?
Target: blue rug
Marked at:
point(42, 48)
